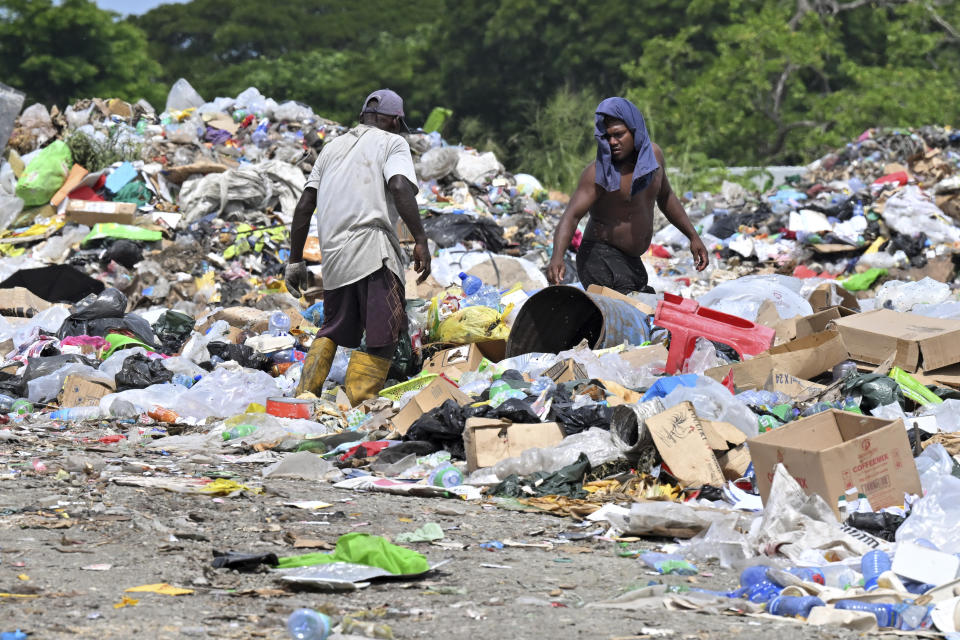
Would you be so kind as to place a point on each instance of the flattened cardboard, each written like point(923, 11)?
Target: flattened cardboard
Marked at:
point(566, 371)
point(80, 391)
point(918, 341)
point(768, 316)
point(487, 441)
point(684, 447)
point(804, 358)
point(454, 362)
point(616, 295)
point(430, 397)
point(644, 356)
point(722, 435)
point(91, 212)
point(20, 302)
point(791, 385)
point(834, 451)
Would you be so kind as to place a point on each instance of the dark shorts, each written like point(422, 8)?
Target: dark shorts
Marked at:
point(603, 264)
point(375, 304)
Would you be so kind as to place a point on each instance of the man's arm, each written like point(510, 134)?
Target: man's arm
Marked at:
point(300, 226)
point(582, 199)
point(406, 202)
point(673, 210)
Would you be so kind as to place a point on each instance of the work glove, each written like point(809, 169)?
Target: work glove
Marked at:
point(295, 277)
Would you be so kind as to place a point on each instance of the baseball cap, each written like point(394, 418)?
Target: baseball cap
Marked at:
point(390, 104)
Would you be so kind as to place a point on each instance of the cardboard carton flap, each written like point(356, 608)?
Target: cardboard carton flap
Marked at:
point(916, 340)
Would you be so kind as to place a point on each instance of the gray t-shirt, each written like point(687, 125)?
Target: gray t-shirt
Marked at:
point(356, 216)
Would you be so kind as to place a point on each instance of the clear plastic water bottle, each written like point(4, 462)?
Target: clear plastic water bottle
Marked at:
point(808, 574)
point(279, 324)
point(487, 296)
point(183, 380)
point(914, 617)
point(6, 402)
point(307, 624)
point(839, 576)
point(794, 606)
point(871, 566)
point(76, 413)
point(239, 431)
point(259, 137)
point(469, 284)
point(886, 614)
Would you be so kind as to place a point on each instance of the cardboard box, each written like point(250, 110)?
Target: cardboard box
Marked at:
point(918, 341)
point(19, 302)
point(488, 441)
point(81, 391)
point(821, 321)
point(616, 295)
point(566, 371)
point(430, 397)
point(454, 362)
point(91, 212)
point(792, 385)
point(825, 296)
point(834, 451)
point(804, 358)
point(735, 462)
point(679, 437)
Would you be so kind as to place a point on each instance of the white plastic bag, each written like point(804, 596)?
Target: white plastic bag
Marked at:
point(742, 297)
point(182, 96)
point(902, 296)
point(911, 211)
point(713, 401)
point(934, 517)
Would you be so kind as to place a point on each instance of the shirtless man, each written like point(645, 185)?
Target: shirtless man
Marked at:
point(618, 190)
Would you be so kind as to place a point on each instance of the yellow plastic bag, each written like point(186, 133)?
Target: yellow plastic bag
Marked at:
point(474, 324)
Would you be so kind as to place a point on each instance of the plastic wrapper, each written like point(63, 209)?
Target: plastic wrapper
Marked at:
point(742, 297)
point(704, 357)
point(947, 414)
point(45, 174)
point(713, 401)
point(934, 516)
point(903, 296)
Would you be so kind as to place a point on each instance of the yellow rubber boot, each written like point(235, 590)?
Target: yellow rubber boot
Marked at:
point(365, 376)
point(317, 365)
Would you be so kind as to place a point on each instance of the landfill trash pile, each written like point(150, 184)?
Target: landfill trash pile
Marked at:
point(792, 413)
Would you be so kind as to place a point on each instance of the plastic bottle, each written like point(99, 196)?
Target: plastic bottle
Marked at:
point(914, 617)
point(75, 413)
point(469, 284)
point(886, 614)
point(21, 407)
point(839, 576)
point(279, 324)
point(307, 624)
point(239, 431)
point(184, 380)
point(445, 476)
point(794, 606)
point(6, 402)
point(858, 208)
point(259, 137)
point(808, 574)
point(755, 586)
point(871, 566)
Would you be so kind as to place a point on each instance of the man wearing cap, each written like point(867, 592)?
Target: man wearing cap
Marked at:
point(361, 182)
point(619, 190)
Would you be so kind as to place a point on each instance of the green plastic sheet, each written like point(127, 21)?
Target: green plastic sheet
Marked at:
point(863, 281)
point(365, 549)
point(45, 174)
point(126, 231)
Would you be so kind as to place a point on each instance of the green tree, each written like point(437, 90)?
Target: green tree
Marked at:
point(782, 82)
point(59, 53)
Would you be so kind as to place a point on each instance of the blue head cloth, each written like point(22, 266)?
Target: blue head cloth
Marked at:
point(608, 176)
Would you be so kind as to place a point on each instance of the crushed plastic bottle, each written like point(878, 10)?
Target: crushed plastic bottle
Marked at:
point(794, 606)
point(886, 614)
point(307, 624)
point(239, 431)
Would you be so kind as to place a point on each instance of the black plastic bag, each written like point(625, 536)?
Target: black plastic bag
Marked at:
point(881, 525)
point(442, 427)
point(577, 420)
point(12, 385)
point(172, 329)
point(516, 410)
point(450, 228)
point(876, 390)
point(45, 365)
point(241, 353)
point(139, 372)
point(243, 561)
point(98, 315)
point(398, 452)
point(123, 252)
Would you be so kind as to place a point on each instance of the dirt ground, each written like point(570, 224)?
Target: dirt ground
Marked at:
point(76, 541)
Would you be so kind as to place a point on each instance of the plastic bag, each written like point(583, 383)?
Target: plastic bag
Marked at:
point(182, 96)
point(742, 297)
point(903, 296)
point(713, 401)
point(11, 101)
point(293, 112)
point(935, 461)
point(10, 208)
point(477, 168)
point(934, 516)
point(45, 174)
point(450, 228)
point(947, 414)
point(172, 329)
point(473, 324)
point(36, 121)
point(438, 163)
point(911, 211)
point(598, 444)
point(139, 371)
